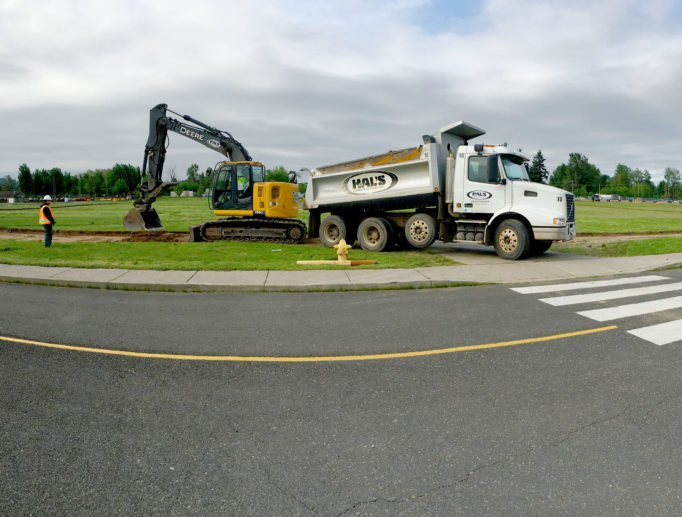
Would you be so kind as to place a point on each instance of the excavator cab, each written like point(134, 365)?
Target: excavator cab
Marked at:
point(233, 186)
point(239, 189)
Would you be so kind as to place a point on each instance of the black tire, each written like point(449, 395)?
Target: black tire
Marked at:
point(375, 234)
point(333, 228)
point(512, 240)
point(539, 247)
point(420, 231)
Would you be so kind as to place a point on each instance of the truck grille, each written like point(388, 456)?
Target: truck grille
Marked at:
point(570, 205)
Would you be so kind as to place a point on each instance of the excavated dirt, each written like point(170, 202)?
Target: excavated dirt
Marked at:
point(84, 236)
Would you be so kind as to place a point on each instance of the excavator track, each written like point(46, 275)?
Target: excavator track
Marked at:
point(250, 229)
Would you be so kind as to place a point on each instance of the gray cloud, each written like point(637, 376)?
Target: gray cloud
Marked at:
point(304, 84)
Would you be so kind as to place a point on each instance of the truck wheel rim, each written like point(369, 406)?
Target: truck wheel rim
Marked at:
point(332, 232)
point(372, 235)
point(508, 240)
point(419, 231)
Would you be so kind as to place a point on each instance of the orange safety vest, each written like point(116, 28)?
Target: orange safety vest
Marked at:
point(43, 218)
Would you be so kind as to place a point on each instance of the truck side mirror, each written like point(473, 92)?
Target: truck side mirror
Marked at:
point(493, 170)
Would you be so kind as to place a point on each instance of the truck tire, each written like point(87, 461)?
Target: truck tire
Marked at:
point(539, 247)
point(512, 240)
point(333, 228)
point(420, 231)
point(375, 234)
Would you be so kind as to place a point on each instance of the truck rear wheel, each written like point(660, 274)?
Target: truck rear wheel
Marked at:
point(512, 240)
point(375, 234)
point(333, 228)
point(420, 231)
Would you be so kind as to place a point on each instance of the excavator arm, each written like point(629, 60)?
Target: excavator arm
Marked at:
point(143, 216)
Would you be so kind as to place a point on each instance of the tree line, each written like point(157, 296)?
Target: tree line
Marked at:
point(120, 180)
point(583, 178)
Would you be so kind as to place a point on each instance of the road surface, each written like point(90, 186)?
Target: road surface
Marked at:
point(466, 401)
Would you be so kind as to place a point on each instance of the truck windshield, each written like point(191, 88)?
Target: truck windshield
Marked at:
point(514, 167)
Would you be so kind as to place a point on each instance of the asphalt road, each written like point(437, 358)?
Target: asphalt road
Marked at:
point(581, 425)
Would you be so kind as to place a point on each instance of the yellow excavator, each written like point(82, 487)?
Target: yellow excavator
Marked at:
point(250, 208)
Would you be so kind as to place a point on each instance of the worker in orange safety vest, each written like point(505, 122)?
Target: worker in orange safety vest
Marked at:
point(47, 219)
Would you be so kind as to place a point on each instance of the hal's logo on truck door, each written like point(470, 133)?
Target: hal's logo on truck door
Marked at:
point(370, 182)
point(479, 195)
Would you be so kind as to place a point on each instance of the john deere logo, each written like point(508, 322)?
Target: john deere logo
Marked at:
point(478, 195)
point(370, 182)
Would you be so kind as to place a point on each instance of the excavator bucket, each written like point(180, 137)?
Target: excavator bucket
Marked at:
point(142, 220)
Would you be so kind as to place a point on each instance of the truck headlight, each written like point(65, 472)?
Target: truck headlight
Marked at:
point(559, 221)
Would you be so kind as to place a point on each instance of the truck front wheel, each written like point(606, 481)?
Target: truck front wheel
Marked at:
point(512, 240)
point(375, 234)
point(420, 231)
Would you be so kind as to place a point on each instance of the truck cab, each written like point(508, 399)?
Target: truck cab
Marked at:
point(491, 182)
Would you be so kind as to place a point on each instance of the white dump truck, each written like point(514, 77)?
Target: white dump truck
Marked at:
point(444, 189)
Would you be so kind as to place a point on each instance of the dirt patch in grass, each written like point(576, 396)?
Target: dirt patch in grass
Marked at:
point(84, 236)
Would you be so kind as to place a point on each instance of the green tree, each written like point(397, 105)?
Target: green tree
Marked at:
point(538, 171)
point(25, 180)
point(128, 173)
point(672, 182)
point(69, 184)
point(277, 174)
point(193, 173)
point(120, 187)
point(42, 182)
point(56, 181)
point(622, 177)
point(578, 172)
point(98, 183)
point(8, 183)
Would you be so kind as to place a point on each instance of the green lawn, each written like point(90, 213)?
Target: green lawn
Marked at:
point(625, 217)
point(219, 256)
point(629, 248)
point(177, 214)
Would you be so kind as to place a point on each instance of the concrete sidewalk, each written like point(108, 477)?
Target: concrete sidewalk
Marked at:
point(476, 265)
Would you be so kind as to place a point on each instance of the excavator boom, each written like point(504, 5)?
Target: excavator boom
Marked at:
point(143, 216)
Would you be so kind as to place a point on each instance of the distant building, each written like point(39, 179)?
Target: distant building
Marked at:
point(11, 196)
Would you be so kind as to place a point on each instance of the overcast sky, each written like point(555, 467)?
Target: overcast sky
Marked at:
point(310, 83)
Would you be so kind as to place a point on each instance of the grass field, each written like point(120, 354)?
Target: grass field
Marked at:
point(216, 256)
point(628, 248)
point(624, 217)
point(177, 214)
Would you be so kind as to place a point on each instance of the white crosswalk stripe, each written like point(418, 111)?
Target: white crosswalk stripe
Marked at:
point(633, 309)
point(659, 334)
point(559, 301)
point(587, 285)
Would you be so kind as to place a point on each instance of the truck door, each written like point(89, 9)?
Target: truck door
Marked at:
point(482, 191)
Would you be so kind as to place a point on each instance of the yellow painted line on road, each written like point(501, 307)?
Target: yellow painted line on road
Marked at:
point(304, 359)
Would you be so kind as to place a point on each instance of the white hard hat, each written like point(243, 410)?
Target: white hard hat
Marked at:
point(47, 198)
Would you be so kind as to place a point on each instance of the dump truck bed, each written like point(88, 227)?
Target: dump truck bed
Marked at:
point(407, 178)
